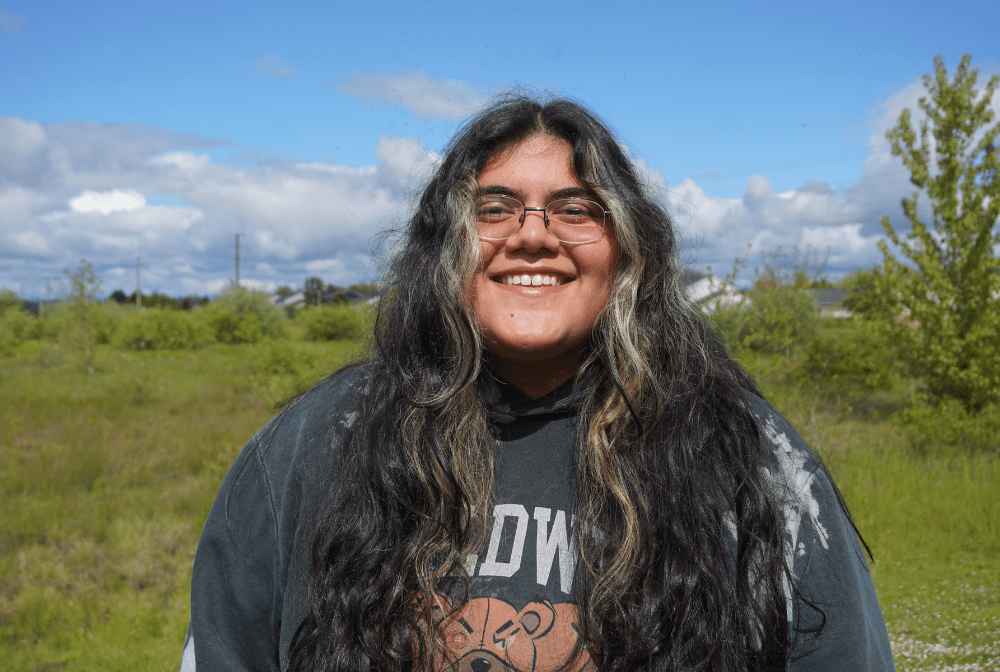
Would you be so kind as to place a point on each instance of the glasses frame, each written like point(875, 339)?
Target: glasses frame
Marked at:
point(545, 217)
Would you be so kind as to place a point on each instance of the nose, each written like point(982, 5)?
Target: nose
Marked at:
point(481, 665)
point(533, 236)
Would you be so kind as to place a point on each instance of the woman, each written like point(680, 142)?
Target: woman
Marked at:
point(550, 463)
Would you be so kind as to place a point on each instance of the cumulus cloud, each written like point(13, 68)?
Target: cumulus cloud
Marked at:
point(272, 67)
point(843, 222)
point(106, 202)
point(96, 191)
point(425, 97)
point(110, 193)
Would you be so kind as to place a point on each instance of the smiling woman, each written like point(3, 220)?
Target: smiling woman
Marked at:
point(537, 297)
point(548, 462)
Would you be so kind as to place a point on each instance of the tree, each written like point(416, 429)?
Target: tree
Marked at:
point(79, 289)
point(940, 305)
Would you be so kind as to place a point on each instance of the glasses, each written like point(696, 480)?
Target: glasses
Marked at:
point(570, 220)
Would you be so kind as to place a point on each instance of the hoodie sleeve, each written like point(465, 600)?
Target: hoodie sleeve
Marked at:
point(235, 604)
point(250, 574)
point(841, 627)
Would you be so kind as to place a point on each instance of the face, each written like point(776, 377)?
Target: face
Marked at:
point(539, 326)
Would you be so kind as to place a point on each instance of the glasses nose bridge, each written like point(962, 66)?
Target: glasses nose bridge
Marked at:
point(524, 213)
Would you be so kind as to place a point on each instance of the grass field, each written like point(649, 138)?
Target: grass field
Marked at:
point(106, 479)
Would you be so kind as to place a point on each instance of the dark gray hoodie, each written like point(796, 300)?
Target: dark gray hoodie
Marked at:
point(251, 570)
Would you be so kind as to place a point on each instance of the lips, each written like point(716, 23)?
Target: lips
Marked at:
point(532, 279)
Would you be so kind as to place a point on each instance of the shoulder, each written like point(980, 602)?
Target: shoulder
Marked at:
point(327, 405)
point(804, 491)
point(306, 434)
point(787, 457)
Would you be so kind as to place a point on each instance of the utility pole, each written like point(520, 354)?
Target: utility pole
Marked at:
point(138, 294)
point(237, 260)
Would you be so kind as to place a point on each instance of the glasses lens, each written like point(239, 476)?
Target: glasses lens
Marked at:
point(498, 216)
point(575, 220)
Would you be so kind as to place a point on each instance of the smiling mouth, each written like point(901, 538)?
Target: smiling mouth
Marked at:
point(533, 280)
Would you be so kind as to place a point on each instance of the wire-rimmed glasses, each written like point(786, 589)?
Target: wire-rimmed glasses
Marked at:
point(570, 220)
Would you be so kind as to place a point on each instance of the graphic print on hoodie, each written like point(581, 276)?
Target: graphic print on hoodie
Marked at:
point(519, 616)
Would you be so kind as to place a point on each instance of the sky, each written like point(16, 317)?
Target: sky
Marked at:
point(159, 131)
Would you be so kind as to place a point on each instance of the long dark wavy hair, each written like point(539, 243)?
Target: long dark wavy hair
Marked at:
point(669, 458)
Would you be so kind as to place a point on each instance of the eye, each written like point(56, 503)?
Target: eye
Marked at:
point(492, 208)
point(576, 211)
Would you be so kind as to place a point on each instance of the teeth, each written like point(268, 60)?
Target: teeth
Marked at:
point(537, 280)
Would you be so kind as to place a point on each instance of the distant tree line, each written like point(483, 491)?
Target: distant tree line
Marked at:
point(158, 300)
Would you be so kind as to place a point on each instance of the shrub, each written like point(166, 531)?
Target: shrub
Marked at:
point(859, 357)
point(778, 314)
point(948, 426)
point(772, 318)
point(281, 357)
point(10, 337)
point(331, 323)
point(162, 329)
point(15, 328)
point(242, 316)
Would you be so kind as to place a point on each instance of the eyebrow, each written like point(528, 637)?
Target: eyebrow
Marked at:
point(501, 190)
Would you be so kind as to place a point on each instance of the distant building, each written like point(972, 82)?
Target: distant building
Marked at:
point(710, 291)
point(337, 295)
point(294, 300)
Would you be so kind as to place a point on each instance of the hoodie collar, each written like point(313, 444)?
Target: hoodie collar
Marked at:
point(506, 402)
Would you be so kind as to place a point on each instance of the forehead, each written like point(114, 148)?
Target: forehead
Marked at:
point(538, 162)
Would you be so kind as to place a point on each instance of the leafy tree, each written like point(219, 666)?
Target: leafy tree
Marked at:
point(940, 303)
point(79, 291)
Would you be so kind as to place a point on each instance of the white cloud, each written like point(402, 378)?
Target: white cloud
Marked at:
point(24, 144)
point(30, 243)
point(715, 231)
point(425, 97)
point(272, 67)
point(96, 192)
point(106, 202)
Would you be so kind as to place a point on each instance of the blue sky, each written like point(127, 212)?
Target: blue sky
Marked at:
point(159, 130)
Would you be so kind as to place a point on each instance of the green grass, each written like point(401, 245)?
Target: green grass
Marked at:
point(106, 480)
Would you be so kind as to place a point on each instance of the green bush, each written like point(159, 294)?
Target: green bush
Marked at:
point(49, 327)
point(948, 427)
point(15, 328)
point(773, 318)
point(242, 316)
point(331, 323)
point(162, 329)
point(281, 357)
point(778, 314)
point(859, 357)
